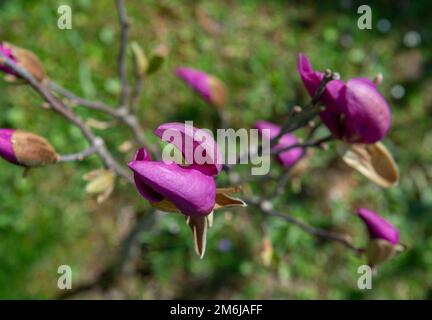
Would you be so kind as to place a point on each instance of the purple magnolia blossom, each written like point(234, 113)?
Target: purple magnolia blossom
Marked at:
point(355, 111)
point(286, 158)
point(207, 86)
point(192, 189)
point(378, 227)
point(7, 51)
point(6, 145)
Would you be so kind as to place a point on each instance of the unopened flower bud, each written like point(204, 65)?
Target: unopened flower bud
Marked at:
point(23, 58)
point(26, 149)
point(384, 237)
point(210, 88)
point(366, 116)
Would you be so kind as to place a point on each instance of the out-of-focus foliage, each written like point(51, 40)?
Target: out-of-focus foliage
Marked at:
point(48, 219)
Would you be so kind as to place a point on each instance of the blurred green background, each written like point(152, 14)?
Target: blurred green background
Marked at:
point(47, 219)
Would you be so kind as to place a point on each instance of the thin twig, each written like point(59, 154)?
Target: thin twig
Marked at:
point(316, 232)
point(136, 94)
point(80, 156)
point(58, 106)
point(296, 120)
point(96, 105)
point(309, 144)
point(119, 114)
point(121, 62)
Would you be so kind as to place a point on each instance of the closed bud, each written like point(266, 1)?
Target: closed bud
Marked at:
point(23, 58)
point(26, 149)
point(210, 88)
point(379, 251)
point(383, 237)
point(355, 111)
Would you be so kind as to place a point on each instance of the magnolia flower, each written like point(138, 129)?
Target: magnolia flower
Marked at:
point(286, 158)
point(197, 146)
point(26, 149)
point(23, 58)
point(384, 237)
point(355, 111)
point(210, 88)
point(187, 189)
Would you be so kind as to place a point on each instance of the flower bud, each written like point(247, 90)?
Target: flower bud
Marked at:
point(189, 190)
point(355, 111)
point(24, 58)
point(287, 158)
point(210, 88)
point(26, 149)
point(384, 237)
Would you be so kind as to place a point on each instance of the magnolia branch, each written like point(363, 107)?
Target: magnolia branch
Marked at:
point(80, 156)
point(122, 68)
point(308, 144)
point(302, 116)
point(266, 207)
point(58, 106)
point(299, 117)
point(119, 114)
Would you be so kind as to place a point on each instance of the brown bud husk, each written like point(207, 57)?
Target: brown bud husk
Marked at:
point(198, 226)
point(379, 251)
point(223, 200)
point(100, 182)
point(373, 161)
point(32, 150)
point(219, 92)
point(165, 205)
point(28, 61)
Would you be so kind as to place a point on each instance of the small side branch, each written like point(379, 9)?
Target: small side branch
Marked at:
point(58, 106)
point(309, 144)
point(80, 156)
point(119, 114)
point(316, 232)
point(121, 60)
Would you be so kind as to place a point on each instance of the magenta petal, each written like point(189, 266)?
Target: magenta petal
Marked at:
point(262, 124)
point(191, 191)
point(368, 119)
point(335, 108)
point(287, 158)
point(310, 78)
point(378, 227)
point(8, 53)
point(197, 80)
point(193, 142)
point(146, 191)
point(6, 145)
